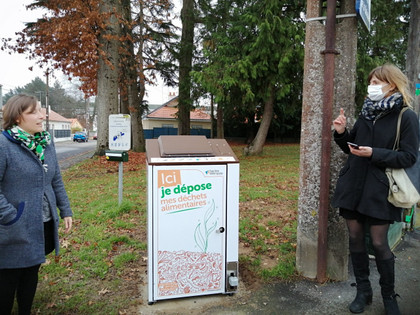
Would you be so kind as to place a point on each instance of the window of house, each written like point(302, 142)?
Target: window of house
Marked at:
point(196, 126)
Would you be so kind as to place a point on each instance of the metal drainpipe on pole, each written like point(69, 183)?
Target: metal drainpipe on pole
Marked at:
point(328, 97)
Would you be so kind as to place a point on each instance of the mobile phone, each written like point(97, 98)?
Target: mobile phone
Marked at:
point(353, 145)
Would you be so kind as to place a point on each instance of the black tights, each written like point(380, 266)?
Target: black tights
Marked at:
point(378, 235)
point(23, 283)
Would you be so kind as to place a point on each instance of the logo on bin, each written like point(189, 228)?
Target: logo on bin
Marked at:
point(169, 178)
point(214, 173)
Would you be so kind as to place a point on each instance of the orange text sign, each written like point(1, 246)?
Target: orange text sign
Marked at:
point(169, 178)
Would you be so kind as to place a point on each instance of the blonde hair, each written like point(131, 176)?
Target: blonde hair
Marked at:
point(391, 74)
point(14, 108)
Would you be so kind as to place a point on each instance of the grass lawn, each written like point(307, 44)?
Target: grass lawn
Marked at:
point(103, 261)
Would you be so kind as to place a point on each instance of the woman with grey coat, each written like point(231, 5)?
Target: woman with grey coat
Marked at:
point(31, 190)
point(362, 188)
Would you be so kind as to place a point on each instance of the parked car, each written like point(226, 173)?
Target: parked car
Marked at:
point(95, 137)
point(80, 137)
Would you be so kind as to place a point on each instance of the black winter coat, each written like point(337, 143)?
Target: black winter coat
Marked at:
point(362, 184)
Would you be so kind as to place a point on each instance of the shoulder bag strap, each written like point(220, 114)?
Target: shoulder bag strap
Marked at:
point(397, 137)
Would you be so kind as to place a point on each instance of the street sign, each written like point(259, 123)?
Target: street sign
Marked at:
point(363, 12)
point(120, 132)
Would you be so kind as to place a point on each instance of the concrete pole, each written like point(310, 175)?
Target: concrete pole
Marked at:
point(312, 134)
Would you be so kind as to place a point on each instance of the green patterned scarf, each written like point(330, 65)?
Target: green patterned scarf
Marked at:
point(36, 143)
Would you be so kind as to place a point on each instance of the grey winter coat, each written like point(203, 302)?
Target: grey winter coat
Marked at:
point(23, 183)
point(362, 184)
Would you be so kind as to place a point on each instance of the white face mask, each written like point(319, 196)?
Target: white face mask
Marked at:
point(375, 92)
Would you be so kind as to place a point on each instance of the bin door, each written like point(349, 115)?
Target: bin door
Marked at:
point(189, 214)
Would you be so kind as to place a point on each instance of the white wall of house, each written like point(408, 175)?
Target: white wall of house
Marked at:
point(62, 125)
point(58, 125)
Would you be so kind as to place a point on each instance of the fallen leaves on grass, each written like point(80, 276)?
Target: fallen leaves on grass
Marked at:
point(136, 161)
point(104, 291)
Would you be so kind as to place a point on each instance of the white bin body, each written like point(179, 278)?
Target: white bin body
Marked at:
point(193, 217)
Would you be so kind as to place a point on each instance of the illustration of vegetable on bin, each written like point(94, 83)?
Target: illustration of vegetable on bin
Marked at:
point(203, 231)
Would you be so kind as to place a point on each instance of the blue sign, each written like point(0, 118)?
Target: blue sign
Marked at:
point(363, 12)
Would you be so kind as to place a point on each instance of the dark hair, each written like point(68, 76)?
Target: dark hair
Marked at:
point(14, 108)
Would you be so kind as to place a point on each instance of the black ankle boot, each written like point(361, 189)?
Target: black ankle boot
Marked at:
point(386, 269)
point(391, 305)
point(362, 299)
point(364, 294)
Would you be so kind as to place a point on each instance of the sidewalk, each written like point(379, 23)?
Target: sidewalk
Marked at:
point(308, 297)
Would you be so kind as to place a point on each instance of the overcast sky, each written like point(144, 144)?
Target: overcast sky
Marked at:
point(14, 69)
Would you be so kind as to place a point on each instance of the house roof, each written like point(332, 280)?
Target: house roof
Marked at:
point(55, 116)
point(169, 110)
point(74, 122)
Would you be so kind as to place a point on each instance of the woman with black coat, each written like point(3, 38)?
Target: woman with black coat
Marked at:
point(362, 188)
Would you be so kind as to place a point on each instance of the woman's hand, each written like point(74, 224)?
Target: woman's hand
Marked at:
point(340, 122)
point(68, 223)
point(361, 151)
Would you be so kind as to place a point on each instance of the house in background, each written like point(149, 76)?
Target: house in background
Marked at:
point(75, 124)
point(59, 127)
point(163, 121)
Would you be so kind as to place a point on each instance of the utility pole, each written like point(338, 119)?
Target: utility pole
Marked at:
point(1, 95)
point(47, 107)
point(87, 116)
point(40, 96)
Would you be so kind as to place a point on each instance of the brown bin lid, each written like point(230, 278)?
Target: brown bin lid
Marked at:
point(189, 150)
point(184, 146)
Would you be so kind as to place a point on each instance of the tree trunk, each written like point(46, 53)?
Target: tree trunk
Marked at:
point(185, 66)
point(220, 129)
point(134, 101)
point(413, 52)
point(257, 145)
point(251, 127)
point(107, 93)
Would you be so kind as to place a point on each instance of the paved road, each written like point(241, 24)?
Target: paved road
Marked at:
point(70, 153)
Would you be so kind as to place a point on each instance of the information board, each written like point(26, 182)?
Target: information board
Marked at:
point(120, 132)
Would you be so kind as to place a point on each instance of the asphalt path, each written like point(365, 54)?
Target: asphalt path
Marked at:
point(306, 297)
point(70, 153)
